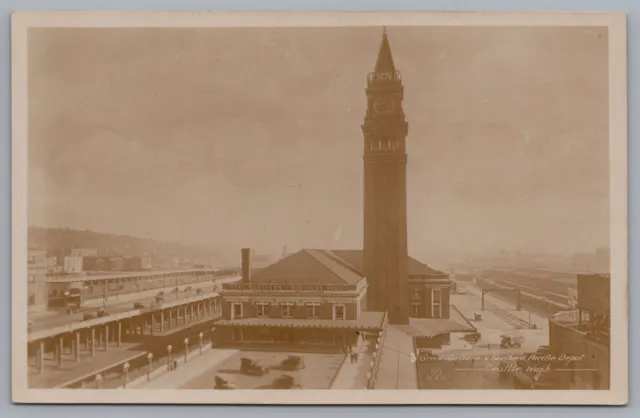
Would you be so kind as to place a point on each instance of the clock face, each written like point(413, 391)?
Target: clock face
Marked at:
point(384, 105)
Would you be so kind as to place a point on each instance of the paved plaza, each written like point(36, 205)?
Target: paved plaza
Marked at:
point(318, 373)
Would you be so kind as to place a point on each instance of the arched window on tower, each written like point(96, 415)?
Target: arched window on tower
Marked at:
point(388, 144)
point(379, 145)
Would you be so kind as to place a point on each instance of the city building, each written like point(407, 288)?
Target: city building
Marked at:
point(73, 264)
point(584, 336)
point(52, 265)
point(84, 252)
point(311, 297)
point(37, 265)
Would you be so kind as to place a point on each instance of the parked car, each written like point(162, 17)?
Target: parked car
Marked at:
point(223, 384)
point(511, 341)
point(292, 363)
point(472, 337)
point(285, 381)
point(252, 367)
point(138, 305)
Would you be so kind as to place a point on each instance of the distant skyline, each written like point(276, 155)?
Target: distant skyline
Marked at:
point(236, 138)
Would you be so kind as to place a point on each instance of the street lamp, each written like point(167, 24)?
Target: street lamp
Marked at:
point(169, 348)
point(125, 368)
point(201, 335)
point(186, 349)
point(150, 358)
point(98, 380)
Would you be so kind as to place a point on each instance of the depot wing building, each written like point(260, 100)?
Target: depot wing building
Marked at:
point(316, 297)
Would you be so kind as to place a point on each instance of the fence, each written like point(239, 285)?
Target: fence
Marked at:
point(374, 365)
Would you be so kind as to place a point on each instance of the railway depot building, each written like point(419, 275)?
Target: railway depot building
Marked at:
point(316, 297)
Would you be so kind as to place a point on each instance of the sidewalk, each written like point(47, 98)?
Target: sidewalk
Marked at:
point(354, 375)
point(397, 371)
point(192, 369)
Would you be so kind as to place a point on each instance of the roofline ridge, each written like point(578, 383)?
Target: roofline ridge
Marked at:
point(344, 263)
point(315, 257)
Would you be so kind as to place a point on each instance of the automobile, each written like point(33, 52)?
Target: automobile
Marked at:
point(472, 337)
point(477, 316)
point(199, 292)
point(223, 384)
point(138, 305)
point(292, 363)
point(285, 381)
point(511, 341)
point(251, 367)
point(102, 312)
point(87, 316)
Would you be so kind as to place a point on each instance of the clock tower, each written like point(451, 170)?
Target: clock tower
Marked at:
point(385, 190)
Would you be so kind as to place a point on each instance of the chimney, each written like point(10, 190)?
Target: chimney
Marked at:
point(246, 265)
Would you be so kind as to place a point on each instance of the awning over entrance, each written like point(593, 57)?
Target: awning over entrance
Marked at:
point(367, 321)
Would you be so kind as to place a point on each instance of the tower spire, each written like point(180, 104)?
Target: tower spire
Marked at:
point(385, 59)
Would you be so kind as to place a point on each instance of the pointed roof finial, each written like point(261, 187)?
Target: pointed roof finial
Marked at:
point(385, 59)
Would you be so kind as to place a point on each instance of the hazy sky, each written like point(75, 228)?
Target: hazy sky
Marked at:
point(251, 137)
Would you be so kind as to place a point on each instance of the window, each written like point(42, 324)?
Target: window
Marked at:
point(236, 310)
point(338, 312)
point(287, 310)
point(32, 299)
point(262, 309)
point(436, 303)
point(415, 293)
point(415, 309)
point(32, 278)
point(313, 310)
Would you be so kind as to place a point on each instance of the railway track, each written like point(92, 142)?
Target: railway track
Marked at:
point(511, 319)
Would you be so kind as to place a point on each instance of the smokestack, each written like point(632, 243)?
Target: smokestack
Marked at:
point(246, 265)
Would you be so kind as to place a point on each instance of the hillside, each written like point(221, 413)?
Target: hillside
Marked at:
point(61, 239)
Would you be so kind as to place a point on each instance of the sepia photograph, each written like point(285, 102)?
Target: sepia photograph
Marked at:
point(325, 208)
